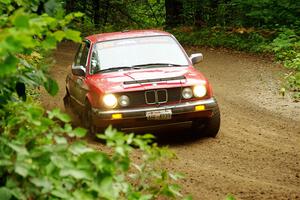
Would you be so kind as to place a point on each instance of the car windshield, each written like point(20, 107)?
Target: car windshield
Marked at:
point(143, 52)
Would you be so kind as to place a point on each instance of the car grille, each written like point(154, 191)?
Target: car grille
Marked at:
point(154, 97)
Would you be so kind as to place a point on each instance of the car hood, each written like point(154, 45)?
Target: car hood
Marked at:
point(144, 79)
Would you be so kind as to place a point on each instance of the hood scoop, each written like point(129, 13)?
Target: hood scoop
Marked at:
point(154, 80)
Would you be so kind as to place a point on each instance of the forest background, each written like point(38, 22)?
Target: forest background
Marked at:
point(39, 159)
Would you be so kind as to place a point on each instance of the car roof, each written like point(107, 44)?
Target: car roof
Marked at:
point(124, 34)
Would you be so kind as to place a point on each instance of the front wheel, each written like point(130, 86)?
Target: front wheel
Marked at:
point(211, 126)
point(87, 119)
point(67, 100)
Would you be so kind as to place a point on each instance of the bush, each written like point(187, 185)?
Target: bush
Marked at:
point(39, 159)
point(240, 39)
point(283, 43)
point(38, 162)
point(286, 47)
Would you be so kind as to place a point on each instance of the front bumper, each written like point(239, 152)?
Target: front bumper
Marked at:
point(137, 116)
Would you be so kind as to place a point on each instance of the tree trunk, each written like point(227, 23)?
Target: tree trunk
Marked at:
point(106, 11)
point(70, 6)
point(96, 13)
point(173, 12)
point(41, 8)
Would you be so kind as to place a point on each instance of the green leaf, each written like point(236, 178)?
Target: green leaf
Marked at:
point(176, 176)
point(106, 187)
point(73, 35)
point(56, 113)
point(148, 136)
point(230, 197)
point(75, 173)
point(21, 20)
point(51, 86)
point(188, 198)
point(59, 35)
point(17, 193)
point(49, 42)
point(21, 150)
point(5, 1)
point(43, 183)
point(61, 193)
point(8, 66)
point(5, 163)
point(21, 169)
point(60, 140)
point(83, 194)
point(146, 197)
point(68, 128)
point(175, 189)
point(61, 161)
point(79, 148)
point(5, 193)
point(78, 14)
point(79, 132)
point(36, 113)
point(121, 151)
point(100, 160)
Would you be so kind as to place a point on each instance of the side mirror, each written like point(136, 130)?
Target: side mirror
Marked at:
point(196, 58)
point(78, 70)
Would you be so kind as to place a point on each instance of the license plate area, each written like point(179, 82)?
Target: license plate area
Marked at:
point(159, 115)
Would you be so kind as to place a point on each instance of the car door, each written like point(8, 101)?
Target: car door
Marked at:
point(78, 87)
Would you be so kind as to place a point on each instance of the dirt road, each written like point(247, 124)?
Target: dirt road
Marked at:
point(257, 152)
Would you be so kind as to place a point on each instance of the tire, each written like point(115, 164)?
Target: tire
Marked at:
point(211, 126)
point(87, 120)
point(67, 101)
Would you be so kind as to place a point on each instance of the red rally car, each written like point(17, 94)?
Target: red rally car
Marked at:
point(138, 79)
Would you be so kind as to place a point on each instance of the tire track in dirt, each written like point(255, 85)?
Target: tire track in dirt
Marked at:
point(256, 155)
point(257, 152)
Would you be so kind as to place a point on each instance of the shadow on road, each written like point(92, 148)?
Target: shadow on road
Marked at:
point(173, 135)
point(170, 135)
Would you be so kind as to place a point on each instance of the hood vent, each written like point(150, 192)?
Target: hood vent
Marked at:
point(155, 80)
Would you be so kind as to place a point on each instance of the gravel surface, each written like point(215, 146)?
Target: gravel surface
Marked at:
point(257, 152)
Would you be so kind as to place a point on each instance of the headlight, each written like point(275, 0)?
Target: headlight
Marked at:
point(124, 100)
point(187, 93)
point(199, 90)
point(110, 100)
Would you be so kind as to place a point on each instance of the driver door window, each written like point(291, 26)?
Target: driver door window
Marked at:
point(82, 54)
point(94, 63)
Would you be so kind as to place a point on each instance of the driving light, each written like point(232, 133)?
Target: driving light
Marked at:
point(124, 101)
point(199, 108)
point(199, 91)
point(110, 100)
point(187, 93)
point(117, 116)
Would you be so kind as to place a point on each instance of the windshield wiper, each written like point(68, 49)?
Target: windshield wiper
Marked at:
point(158, 64)
point(116, 69)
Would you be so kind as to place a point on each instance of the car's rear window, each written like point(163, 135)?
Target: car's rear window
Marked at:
point(139, 51)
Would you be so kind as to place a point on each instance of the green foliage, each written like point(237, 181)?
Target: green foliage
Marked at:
point(286, 47)
point(24, 38)
point(283, 43)
point(240, 13)
point(115, 15)
point(240, 39)
point(37, 161)
point(230, 197)
point(293, 84)
point(39, 156)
